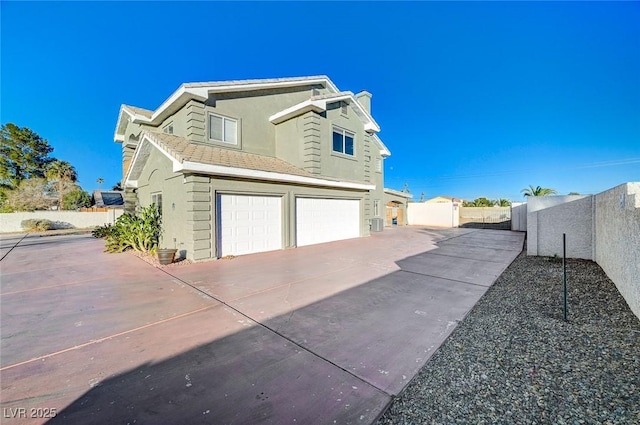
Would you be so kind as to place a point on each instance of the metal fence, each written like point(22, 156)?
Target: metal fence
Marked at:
point(486, 217)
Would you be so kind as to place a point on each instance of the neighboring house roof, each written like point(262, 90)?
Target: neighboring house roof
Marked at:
point(201, 92)
point(108, 198)
point(443, 199)
point(187, 156)
point(398, 193)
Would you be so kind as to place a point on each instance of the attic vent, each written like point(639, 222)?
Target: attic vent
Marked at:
point(344, 110)
point(315, 92)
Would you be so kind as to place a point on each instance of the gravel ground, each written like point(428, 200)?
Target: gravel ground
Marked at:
point(513, 360)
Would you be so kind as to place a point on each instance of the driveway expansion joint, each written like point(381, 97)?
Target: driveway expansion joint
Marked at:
point(17, 243)
point(276, 332)
point(446, 278)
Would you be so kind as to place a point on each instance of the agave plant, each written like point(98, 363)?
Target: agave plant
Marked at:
point(138, 232)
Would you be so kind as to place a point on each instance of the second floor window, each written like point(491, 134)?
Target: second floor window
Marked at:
point(343, 141)
point(168, 128)
point(223, 129)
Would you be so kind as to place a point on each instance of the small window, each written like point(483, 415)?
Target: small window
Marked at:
point(168, 128)
point(223, 129)
point(379, 165)
point(344, 109)
point(376, 208)
point(156, 198)
point(343, 141)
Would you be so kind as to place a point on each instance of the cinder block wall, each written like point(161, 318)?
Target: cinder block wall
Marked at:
point(549, 217)
point(11, 222)
point(604, 228)
point(617, 239)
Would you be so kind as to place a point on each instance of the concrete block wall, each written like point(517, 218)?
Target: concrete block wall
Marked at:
point(617, 239)
point(603, 227)
point(11, 222)
point(519, 217)
point(549, 217)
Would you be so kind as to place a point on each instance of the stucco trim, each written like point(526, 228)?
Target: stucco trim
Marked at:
point(220, 170)
point(319, 104)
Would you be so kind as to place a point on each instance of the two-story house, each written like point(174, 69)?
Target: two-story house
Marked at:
point(247, 166)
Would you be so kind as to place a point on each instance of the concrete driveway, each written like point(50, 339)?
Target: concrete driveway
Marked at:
point(319, 334)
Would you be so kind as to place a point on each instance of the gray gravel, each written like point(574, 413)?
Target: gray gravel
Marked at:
point(513, 360)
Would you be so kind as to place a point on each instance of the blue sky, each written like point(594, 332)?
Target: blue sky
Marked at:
point(473, 98)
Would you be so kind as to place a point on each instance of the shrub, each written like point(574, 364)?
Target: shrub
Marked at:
point(75, 199)
point(138, 232)
point(102, 232)
point(37, 224)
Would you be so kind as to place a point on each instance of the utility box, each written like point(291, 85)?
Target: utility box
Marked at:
point(377, 224)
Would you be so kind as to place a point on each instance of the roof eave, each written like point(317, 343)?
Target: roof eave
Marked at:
point(220, 170)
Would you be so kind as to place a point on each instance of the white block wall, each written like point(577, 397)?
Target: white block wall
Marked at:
point(604, 228)
point(550, 216)
point(617, 239)
point(10, 222)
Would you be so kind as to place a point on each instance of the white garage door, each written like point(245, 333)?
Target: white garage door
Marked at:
point(326, 220)
point(249, 224)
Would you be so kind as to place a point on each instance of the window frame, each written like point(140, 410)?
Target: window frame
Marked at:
point(343, 132)
point(168, 127)
point(154, 201)
point(378, 165)
point(376, 207)
point(224, 120)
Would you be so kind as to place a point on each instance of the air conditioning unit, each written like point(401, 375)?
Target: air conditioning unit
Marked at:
point(377, 224)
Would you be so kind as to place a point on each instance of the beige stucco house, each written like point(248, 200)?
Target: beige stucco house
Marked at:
point(255, 165)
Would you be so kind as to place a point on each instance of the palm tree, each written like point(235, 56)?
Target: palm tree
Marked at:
point(538, 191)
point(61, 172)
point(100, 181)
point(502, 202)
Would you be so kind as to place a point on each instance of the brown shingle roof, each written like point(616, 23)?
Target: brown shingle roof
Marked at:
point(184, 150)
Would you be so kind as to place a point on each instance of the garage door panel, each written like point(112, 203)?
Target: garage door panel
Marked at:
point(249, 224)
point(325, 220)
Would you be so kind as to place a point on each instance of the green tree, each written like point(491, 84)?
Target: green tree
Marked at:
point(574, 193)
point(31, 194)
point(502, 202)
point(76, 198)
point(100, 181)
point(23, 155)
point(62, 173)
point(538, 191)
point(117, 186)
point(478, 202)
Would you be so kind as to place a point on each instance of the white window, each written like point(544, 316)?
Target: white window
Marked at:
point(223, 129)
point(379, 165)
point(156, 198)
point(376, 208)
point(343, 141)
point(168, 128)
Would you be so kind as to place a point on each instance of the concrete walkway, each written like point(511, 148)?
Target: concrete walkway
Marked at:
point(319, 334)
